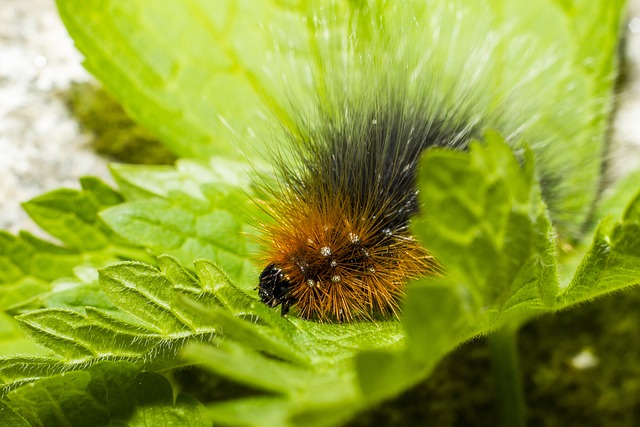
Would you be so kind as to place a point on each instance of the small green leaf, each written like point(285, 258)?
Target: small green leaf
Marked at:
point(103, 194)
point(146, 293)
point(615, 199)
point(611, 263)
point(176, 273)
point(187, 176)
point(256, 337)
point(17, 370)
point(106, 394)
point(78, 336)
point(27, 255)
point(193, 211)
point(59, 330)
point(255, 411)
point(153, 223)
point(215, 279)
point(71, 216)
point(77, 292)
point(155, 398)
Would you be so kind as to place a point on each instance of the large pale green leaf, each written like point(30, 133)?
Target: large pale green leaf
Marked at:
point(201, 75)
point(216, 78)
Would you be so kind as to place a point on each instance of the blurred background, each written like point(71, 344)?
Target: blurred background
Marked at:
point(56, 123)
point(41, 144)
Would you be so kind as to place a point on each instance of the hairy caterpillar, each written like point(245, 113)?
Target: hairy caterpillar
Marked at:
point(343, 249)
point(339, 247)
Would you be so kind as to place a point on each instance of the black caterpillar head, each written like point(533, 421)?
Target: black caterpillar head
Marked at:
point(273, 288)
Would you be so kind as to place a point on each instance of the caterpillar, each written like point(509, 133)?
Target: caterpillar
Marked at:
point(339, 246)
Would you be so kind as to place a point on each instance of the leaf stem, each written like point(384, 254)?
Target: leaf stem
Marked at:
point(503, 348)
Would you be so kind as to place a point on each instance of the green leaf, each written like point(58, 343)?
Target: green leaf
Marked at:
point(321, 391)
point(243, 365)
point(146, 293)
point(67, 341)
point(8, 417)
point(106, 394)
point(71, 216)
point(28, 264)
point(155, 321)
point(31, 269)
point(205, 79)
point(77, 292)
point(187, 176)
point(17, 370)
point(80, 337)
point(484, 220)
point(200, 75)
point(611, 263)
point(632, 213)
point(103, 195)
point(435, 322)
point(196, 210)
point(615, 198)
point(12, 340)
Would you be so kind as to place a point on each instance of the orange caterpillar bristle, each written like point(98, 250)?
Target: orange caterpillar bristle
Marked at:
point(340, 265)
point(339, 248)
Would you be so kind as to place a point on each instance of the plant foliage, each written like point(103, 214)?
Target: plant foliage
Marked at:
point(173, 245)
